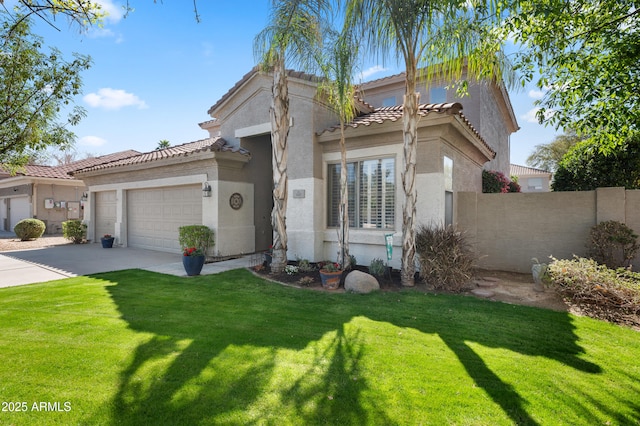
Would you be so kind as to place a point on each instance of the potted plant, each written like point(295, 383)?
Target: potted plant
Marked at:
point(192, 260)
point(330, 274)
point(107, 241)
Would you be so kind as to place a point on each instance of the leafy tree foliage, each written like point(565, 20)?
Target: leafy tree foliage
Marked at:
point(548, 156)
point(162, 144)
point(587, 54)
point(586, 168)
point(34, 86)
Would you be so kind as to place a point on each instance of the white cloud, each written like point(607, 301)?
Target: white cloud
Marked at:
point(114, 11)
point(536, 94)
point(92, 141)
point(108, 98)
point(531, 115)
point(371, 71)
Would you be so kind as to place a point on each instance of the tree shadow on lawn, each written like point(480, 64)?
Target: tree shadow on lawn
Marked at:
point(212, 353)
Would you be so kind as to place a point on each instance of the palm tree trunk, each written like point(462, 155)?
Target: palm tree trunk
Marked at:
point(410, 143)
point(343, 237)
point(279, 113)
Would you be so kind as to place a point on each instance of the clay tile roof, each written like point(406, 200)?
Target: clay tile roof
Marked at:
point(523, 170)
point(61, 172)
point(216, 144)
point(394, 113)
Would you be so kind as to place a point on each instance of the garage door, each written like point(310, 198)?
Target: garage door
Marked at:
point(154, 215)
point(19, 208)
point(105, 212)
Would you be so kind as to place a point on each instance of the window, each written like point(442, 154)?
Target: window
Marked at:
point(438, 95)
point(534, 184)
point(372, 190)
point(448, 191)
point(389, 102)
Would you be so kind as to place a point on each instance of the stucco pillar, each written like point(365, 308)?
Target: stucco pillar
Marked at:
point(121, 217)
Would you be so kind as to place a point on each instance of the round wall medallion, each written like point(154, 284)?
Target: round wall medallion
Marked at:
point(235, 201)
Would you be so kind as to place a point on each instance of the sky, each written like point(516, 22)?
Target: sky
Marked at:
point(156, 72)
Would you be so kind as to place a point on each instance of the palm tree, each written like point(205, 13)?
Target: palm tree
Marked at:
point(162, 144)
point(338, 69)
point(294, 35)
point(429, 36)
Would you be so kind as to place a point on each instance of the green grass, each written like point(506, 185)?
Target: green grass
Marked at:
point(136, 348)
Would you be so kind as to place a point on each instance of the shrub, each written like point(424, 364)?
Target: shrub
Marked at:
point(613, 244)
point(609, 294)
point(445, 257)
point(377, 267)
point(29, 229)
point(305, 266)
point(496, 182)
point(199, 236)
point(74, 230)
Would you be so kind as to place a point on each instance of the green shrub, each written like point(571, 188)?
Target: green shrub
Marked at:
point(600, 292)
point(377, 267)
point(29, 229)
point(198, 236)
point(305, 266)
point(74, 230)
point(446, 259)
point(613, 244)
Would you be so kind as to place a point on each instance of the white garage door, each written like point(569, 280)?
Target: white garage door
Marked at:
point(19, 208)
point(105, 212)
point(154, 215)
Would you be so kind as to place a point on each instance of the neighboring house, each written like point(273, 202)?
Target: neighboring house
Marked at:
point(530, 179)
point(144, 199)
point(47, 193)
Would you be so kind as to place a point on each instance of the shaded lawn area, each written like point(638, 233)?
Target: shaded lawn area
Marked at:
point(136, 347)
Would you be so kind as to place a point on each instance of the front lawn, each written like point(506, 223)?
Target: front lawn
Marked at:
point(136, 347)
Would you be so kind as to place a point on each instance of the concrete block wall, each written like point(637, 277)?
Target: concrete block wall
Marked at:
point(508, 230)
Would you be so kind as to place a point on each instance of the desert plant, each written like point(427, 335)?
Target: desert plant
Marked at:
point(377, 267)
point(74, 230)
point(445, 257)
point(613, 244)
point(601, 292)
point(305, 266)
point(199, 236)
point(29, 229)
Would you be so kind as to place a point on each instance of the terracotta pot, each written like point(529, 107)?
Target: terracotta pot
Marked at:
point(330, 280)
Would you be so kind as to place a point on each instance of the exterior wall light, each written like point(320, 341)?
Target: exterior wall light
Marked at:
point(206, 189)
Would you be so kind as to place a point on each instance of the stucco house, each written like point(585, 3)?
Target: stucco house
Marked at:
point(48, 193)
point(531, 179)
point(225, 181)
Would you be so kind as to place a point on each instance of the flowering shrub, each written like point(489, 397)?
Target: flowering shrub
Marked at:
point(496, 182)
point(331, 267)
point(291, 270)
point(192, 251)
point(107, 236)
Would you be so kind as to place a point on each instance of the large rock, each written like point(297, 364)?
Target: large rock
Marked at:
point(361, 282)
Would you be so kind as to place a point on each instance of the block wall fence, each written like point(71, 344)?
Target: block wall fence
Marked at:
point(508, 230)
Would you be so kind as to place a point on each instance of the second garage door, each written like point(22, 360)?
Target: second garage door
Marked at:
point(154, 215)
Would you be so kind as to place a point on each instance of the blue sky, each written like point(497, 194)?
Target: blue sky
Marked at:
point(156, 72)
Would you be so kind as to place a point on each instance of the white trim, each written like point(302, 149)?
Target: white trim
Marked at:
point(153, 183)
point(258, 129)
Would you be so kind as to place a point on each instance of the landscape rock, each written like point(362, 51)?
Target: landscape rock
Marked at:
point(361, 283)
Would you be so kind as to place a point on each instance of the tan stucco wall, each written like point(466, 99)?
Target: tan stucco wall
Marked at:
point(508, 230)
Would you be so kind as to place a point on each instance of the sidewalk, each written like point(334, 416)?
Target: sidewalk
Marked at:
point(58, 262)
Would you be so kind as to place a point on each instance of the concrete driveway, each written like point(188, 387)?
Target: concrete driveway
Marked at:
point(70, 260)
